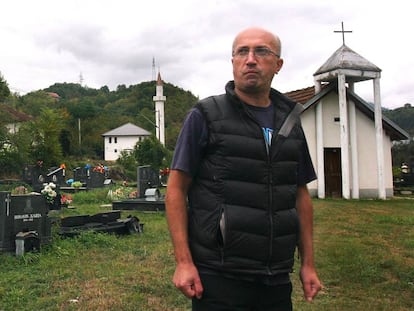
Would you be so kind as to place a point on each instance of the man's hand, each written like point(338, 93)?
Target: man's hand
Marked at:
point(310, 283)
point(187, 280)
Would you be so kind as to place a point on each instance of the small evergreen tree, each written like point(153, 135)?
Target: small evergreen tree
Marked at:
point(46, 133)
point(151, 152)
point(129, 164)
point(4, 89)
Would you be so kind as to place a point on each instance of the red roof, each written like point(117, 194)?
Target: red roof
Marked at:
point(54, 95)
point(15, 115)
point(301, 96)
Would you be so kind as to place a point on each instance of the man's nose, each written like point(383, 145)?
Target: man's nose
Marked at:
point(251, 57)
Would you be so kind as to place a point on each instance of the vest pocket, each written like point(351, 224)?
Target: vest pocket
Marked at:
point(221, 235)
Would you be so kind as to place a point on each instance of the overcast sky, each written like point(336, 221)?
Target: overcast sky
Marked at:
point(114, 42)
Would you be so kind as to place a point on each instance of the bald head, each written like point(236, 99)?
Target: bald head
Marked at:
point(261, 34)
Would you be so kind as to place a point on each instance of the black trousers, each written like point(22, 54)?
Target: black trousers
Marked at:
point(225, 294)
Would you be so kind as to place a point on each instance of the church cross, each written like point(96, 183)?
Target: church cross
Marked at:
point(343, 32)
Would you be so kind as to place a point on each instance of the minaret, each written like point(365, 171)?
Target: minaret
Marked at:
point(159, 100)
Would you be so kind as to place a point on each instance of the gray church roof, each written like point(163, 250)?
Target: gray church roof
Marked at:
point(345, 58)
point(127, 129)
point(392, 129)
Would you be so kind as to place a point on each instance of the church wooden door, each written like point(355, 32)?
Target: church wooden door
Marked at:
point(333, 176)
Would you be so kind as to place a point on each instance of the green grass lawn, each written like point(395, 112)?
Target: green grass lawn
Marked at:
point(364, 255)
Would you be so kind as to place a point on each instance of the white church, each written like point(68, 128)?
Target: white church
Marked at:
point(349, 140)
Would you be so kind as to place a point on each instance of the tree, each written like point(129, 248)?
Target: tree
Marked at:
point(4, 88)
point(83, 109)
point(34, 102)
point(100, 110)
point(14, 151)
point(151, 152)
point(129, 164)
point(46, 131)
point(403, 116)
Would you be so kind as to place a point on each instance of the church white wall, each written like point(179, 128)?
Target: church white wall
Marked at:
point(331, 134)
point(389, 181)
point(331, 128)
point(308, 119)
point(368, 158)
point(366, 144)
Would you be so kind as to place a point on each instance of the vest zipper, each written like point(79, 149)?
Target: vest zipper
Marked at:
point(269, 164)
point(269, 210)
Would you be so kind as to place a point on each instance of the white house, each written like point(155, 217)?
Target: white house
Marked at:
point(15, 117)
point(122, 138)
point(349, 140)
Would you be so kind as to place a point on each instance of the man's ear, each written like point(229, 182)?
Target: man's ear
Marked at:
point(279, 65)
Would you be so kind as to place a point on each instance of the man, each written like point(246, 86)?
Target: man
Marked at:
point(237, 203)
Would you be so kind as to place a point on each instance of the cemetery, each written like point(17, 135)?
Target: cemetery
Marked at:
point(148, 197)
point(83, 178)
point(407, 175)
point(23, 217)
point(108, 222)
point(26, 223)
point(26, 219)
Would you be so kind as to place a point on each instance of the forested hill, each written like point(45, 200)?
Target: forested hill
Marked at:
point(109, 109)
point(403, 117)
point(96, 111)
point(100, 110)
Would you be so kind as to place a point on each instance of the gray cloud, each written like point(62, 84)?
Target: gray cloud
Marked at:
point(113, 43)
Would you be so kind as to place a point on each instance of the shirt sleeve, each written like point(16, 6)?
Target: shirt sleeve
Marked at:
point(306, 171)
point(191, 143)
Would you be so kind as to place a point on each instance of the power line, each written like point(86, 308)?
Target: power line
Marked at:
point(153, 69)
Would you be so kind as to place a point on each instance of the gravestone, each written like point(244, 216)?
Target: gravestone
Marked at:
point(95, 180)
point(56, 175)
point(35, 176)
point(22, 213)
point(89, 177)
point(81, 174)
point(147, 178)
point(27, 174)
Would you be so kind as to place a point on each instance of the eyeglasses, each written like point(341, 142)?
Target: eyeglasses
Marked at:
point(259, 51)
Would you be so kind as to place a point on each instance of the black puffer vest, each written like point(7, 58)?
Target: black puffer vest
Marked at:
point(242, 215)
